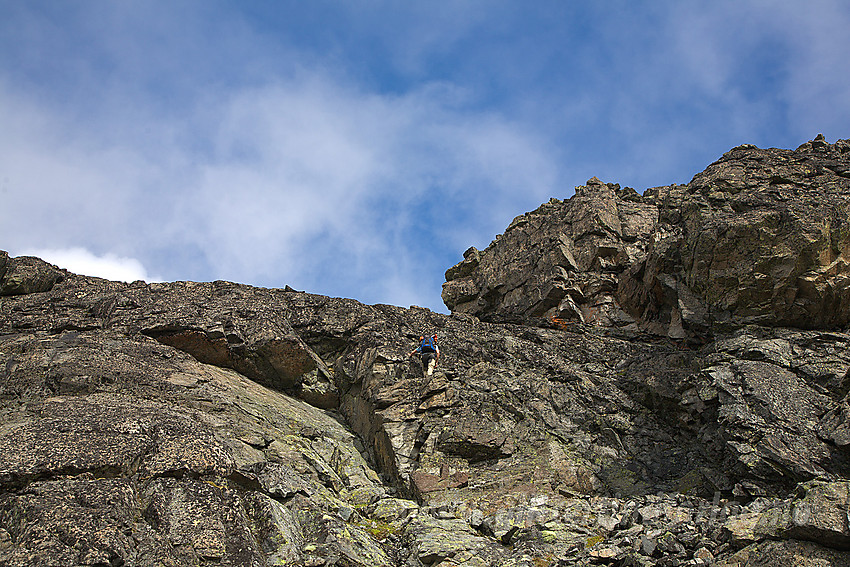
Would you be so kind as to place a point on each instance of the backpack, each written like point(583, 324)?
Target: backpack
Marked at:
point(427, 345)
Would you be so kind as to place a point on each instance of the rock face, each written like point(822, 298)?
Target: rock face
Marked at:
point(759, 237)
point(221, 424)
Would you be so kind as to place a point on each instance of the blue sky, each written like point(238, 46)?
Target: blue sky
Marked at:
point(357, 148)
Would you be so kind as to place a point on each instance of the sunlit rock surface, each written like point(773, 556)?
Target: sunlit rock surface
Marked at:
point(626, 379)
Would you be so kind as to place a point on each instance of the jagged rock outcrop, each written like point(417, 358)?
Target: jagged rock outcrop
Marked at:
point(24, 275)
point(759, 237)
point(222, 424)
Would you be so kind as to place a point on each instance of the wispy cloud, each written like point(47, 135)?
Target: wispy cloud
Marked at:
point(375, 181)
point(312, 183)
point(774, 70)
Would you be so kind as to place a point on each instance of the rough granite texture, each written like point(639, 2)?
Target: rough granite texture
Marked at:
point(657, 379)
point(759, 237)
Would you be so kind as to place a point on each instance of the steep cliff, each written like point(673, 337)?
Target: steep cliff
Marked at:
point(759, 237)
point(657, 379)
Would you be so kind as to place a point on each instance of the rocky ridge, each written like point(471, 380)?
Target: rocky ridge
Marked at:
point(656, 379)
point(760, 237)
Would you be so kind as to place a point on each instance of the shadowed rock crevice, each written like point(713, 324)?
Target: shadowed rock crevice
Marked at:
point(280, 363)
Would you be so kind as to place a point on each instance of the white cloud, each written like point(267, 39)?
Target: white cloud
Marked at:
point(310, 182)
point(319, 177)
point(81, 261)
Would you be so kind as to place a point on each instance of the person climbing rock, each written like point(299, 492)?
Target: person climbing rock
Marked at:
point(429, 353)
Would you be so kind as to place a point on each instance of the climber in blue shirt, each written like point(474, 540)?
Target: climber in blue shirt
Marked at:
point(428, 352)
